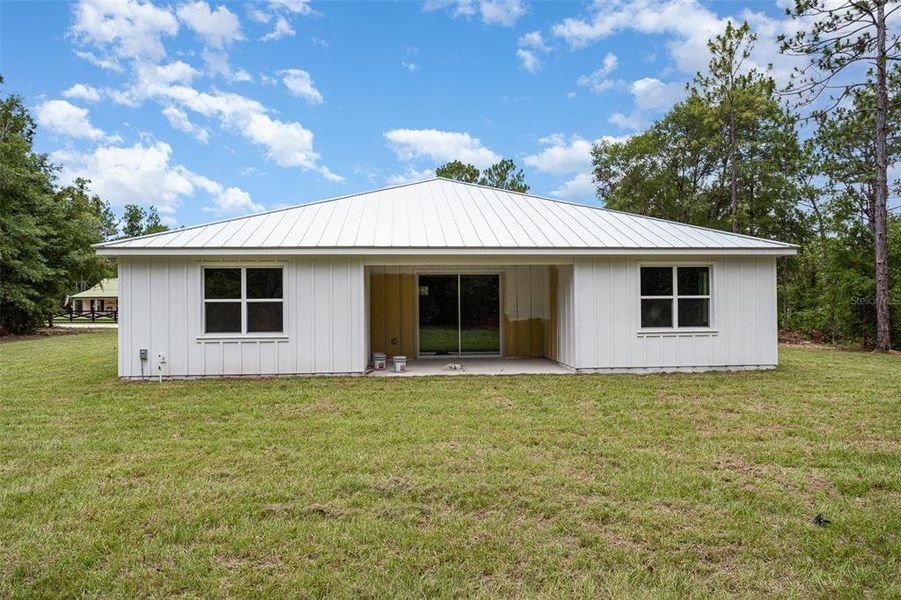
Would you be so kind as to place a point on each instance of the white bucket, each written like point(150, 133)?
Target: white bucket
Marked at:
point(378, 361)
point(400, 364)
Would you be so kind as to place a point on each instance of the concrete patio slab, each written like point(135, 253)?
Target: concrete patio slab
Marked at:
point(476, 366)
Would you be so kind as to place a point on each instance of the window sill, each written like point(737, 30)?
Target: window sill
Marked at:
point(242, 337)
point(671, 331)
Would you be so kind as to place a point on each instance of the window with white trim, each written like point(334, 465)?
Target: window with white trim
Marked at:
point(243, 300)
point(674, 297)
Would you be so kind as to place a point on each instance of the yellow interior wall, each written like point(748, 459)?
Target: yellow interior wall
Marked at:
point(392, 323)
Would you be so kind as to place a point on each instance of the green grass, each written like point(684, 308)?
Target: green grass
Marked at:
point(442, 339)
point(630, 486)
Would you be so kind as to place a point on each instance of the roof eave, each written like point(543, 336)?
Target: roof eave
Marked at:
point(786, 250)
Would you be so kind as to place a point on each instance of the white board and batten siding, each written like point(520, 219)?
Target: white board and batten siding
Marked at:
point(161, 311)
point(325, 247)
point(606, 328)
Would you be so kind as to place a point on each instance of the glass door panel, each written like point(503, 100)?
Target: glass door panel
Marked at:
point(480, 331)
point(438, 314)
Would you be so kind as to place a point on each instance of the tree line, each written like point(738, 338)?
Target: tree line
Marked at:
point(731, 155)
point(47, 229)
point(806, 163)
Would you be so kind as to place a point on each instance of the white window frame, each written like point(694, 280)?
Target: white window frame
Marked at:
point(243, 301)
point(674, 298)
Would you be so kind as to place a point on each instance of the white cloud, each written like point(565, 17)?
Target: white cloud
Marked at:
point(502, 12)
point(107, 63)
point(533, 40)
point(258, 16)
point(492, 12)
point(560, 156)
point(528, 58)
point(234, 200)
point(299, 7)
point(80, 91)
point(218, 28)
point(287, 144)
point(650, 97)
point(300, 84)
point(440, 146)
point(633, 121)
point(226, 200)
point(282, 29)
point(125, 29)
point(280, 10)
point(144, 174)
point(241, 75)
point(651, 93)
point(131, 32)
point(319, 42)
point(409, 176)
point(122, 175)
point(65, 118)
point(412, 67)
point(579, 189)
point(565, 157)
point(598, 81)
point(689, 25)
point(180, 121)
point(531, 45)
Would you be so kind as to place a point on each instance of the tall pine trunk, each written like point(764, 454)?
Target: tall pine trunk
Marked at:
point(883, 342)
point(733, 166)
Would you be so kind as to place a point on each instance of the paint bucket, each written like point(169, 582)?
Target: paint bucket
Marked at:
point(400, 364)
point(378, 361)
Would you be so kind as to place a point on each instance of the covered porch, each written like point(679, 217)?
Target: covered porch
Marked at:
point(491, 318)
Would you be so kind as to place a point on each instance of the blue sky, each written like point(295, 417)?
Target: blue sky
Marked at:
point(208, 110)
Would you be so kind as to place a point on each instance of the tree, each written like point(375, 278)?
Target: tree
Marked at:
point(458, 171)
point(136, 221)
point(734, 93)
point(847, 209)
point(25, 196)
point(837, 36)
point(45, 233)
point(84, 220)
point(713, 161)
point(662, 172)
point(502, 174)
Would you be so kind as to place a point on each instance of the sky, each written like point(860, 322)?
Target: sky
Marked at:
point(209, 110)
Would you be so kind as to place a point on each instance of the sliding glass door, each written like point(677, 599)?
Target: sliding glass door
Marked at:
point(438, 314)
point(480, 312)
point(459, 314)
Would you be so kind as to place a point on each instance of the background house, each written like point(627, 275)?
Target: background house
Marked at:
point(442, 268)
point(102, 297)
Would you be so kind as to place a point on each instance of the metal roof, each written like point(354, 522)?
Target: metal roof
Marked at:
point(440, 215)
point(107, 288)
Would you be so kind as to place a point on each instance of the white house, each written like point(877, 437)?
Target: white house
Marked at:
point(443, 268)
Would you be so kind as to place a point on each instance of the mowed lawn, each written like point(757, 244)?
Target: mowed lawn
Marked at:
point(630, 486)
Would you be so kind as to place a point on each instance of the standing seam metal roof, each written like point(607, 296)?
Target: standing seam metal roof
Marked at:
point(442, 213)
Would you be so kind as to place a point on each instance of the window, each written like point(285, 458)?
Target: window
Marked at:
point(675, 297)
point(243, 300)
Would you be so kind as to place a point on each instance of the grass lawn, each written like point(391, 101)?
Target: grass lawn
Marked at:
point(638, 486)
point(444, 340)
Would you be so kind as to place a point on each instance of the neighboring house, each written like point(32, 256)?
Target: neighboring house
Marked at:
point(102, 297)
point(440, 268)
